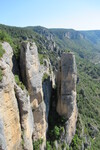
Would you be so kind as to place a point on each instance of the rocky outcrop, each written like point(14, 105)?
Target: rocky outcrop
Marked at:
point(32, 77)
point(66, 105)
point(10, 130)
point(26, 117)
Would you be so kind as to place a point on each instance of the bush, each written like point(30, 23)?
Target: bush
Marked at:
point(2, 51)
point(36, 144)
point(45, 77)
point(76, 142)
point(14, 43)
point(5, 37)
point(56, 132)
point(48, 146)
point(41, 57)
point(63, 145)
point(1, 74)
point(18, 82)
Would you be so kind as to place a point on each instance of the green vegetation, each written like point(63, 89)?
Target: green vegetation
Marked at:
point(45, 77)
point(41, 58)
point(36, 144)
point(2, 51)
point(56, 124)
point(19, 83)
point(56, 132)
point(76, 142)
point(5, 37)
point(1, 75)
point(48, 146)
point(88, 96)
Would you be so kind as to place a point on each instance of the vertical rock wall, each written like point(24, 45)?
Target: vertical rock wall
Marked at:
point(10, 130)
point(26, 117)
point(32, 77)
point(66, 105)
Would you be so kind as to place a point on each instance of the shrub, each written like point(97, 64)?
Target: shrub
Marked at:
point(76, 142)
point(48, 146)
point(36, 144)
point(14, 43)
point(41, 58)
point(45, 77)
point(5, 37)
point(18, 82)
point(2, 51)
point(56, 132)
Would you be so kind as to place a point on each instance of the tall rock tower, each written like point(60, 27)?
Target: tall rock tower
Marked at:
point(66, 106)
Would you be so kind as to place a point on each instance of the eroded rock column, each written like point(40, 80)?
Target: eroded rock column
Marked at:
point(32, 77)
point(66, 106)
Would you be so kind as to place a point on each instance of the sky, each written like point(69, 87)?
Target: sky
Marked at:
point(76, 14)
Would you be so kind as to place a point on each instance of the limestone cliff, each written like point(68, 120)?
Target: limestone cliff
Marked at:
point(16, 119)
point(24, 113)
point(10, 130)
point(32, 74)
point(26, 117)
point(66, 105)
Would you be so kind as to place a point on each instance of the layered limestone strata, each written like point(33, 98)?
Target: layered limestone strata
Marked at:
point(10, 130)
point(66, 106)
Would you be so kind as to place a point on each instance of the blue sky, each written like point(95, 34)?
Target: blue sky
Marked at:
point(76, 14)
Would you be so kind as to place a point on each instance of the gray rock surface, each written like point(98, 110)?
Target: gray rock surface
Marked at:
point(10, 130)
point(66, 106)
point(32, 77)
point(26, 117)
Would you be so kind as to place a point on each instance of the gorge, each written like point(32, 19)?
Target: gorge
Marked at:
point(47, 102)
point(24, 111)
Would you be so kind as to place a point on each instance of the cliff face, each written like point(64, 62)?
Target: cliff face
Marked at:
point(24, 114)
point(10, 130)
point(16, 119)
point(26, 117)
point(32, 74)
point(66, 105)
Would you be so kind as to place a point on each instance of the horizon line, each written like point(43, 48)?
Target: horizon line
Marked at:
point(50, 27)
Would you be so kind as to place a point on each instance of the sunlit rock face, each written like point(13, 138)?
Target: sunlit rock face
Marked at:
point(26, 117)
point(10, 129)
point(66, 106)
point(32, 77)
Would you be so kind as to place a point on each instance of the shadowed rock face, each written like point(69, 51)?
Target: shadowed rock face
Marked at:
point(10, 130)
point(66, 105)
